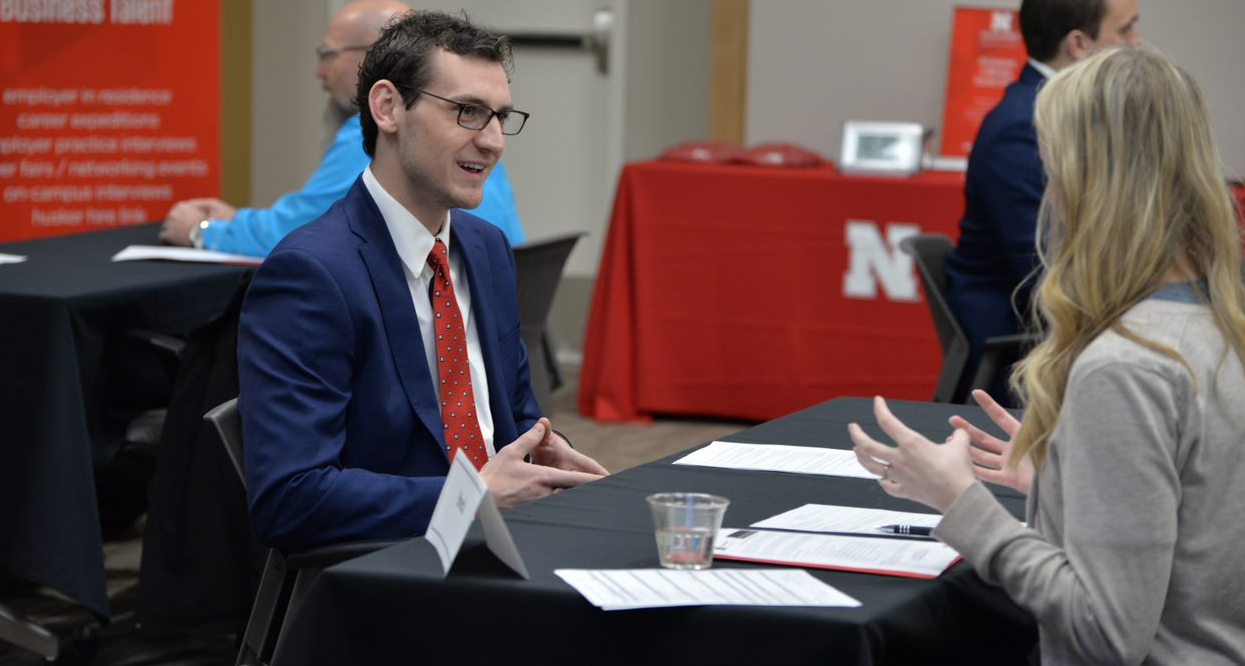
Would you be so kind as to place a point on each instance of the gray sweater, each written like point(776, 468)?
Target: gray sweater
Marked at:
point(1137, 518)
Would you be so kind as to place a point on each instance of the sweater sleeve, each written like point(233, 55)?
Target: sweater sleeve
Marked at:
point(1098, 587)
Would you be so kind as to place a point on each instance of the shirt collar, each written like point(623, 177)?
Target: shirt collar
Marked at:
point(411, 238)
point(1195, 292)
point(1042, 68)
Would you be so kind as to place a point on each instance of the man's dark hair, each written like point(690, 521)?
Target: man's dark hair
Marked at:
point(1044, 23)
point(403, 55)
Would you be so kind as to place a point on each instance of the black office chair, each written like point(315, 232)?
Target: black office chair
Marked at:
point(538, 268)
point(134, 360)
point(141, 366)
point(200, 561)
point(286, 575)
point(930, 250)
point(16, 629)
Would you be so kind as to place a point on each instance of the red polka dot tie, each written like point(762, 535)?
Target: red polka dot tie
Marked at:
point(458, 404)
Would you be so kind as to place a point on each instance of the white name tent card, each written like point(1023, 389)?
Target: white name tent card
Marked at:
point(464, 496)
point(778, 458)
point(629, 589)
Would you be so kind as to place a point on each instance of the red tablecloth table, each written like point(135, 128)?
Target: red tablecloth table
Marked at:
point(721, 292)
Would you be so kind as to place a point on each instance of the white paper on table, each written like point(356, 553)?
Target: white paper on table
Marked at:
point(143, 252)
point(845, 519)
point(628, 589)
point(11, 258)
point(892, 557)
point(778, 458)
point(463, 494)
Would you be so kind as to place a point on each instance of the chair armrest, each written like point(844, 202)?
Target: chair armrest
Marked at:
point(324, 556)
point(1013, 341)
point(164, 342)
point(954, 358)
point(999, 353)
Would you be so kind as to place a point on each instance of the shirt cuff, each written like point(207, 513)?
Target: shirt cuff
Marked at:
point(212, 232)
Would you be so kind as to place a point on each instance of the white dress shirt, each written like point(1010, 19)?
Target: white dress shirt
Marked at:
point(414, 243)
point(1042, 68)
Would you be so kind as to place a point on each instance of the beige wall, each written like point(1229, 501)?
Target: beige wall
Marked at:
point(665, 84)
point(667, 92)
point(287, 102)
point(817, 63)
point(1204, 37)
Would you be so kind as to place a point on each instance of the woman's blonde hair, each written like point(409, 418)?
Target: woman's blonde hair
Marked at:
point(1134, 189)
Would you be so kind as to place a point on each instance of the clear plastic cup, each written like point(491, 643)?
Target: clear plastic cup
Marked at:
point(685, 525)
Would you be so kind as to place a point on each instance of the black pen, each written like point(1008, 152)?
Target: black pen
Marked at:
point(907, 530)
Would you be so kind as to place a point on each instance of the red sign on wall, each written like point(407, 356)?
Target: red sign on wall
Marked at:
point(987, 53)
point(109, 111)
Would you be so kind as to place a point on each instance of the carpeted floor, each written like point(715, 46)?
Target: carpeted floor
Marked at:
point(616, 446)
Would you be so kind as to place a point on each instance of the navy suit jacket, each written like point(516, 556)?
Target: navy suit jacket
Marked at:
point(342, 427)
point(1003, 190)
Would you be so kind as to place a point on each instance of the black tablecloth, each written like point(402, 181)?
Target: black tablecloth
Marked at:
point(63, 313)
point(394, 607)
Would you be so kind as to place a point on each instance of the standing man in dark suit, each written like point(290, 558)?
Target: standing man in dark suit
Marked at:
point(996, 249)
point(366, 362)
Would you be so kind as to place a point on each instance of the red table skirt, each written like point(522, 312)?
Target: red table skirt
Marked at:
point(724, 291)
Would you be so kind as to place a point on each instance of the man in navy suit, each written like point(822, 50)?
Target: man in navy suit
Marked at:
point(341, 392)
point(996, 249)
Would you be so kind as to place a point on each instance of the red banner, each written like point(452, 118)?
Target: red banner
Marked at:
point(109, 111)
point(987, 53)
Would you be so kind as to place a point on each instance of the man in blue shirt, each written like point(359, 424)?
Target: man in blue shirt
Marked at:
point(213, 224)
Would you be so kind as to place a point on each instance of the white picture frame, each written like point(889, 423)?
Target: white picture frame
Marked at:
point(886, 148)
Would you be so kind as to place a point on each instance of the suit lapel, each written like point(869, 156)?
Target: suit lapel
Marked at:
point(379, 256)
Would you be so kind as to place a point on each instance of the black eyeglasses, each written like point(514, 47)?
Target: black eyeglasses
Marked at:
point(476, 116)
point(325, 52)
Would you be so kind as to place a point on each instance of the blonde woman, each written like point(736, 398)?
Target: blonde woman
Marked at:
point(1132, 447)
